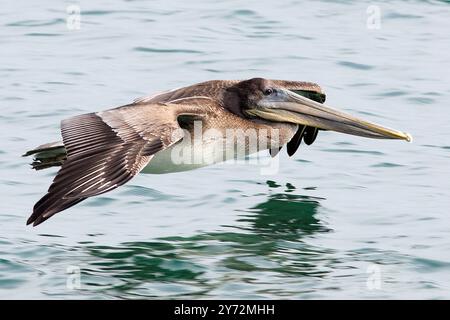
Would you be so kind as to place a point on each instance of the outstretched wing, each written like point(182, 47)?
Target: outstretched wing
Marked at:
point(105, 150)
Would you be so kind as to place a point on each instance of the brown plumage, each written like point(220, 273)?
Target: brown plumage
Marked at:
point(103, 150)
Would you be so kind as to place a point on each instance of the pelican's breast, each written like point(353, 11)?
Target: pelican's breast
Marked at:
point(219, 141)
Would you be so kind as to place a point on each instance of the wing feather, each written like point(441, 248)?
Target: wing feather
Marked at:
point(104, 151)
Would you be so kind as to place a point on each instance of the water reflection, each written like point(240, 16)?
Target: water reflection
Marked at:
point(273, 245)
point(285, 216)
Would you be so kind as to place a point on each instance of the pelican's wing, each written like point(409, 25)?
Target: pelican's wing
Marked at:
point(105, 150)
point(209, 89)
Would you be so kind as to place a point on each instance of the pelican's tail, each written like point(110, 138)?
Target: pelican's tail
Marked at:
point(47, 155)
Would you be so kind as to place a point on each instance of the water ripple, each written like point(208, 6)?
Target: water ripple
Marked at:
point(35, 23)
point(354, 65)
point(161, 50)
point(355, 151)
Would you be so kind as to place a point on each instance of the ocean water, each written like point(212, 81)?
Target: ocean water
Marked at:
point(346, 217)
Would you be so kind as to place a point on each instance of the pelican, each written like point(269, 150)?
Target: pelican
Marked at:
point(101, 151)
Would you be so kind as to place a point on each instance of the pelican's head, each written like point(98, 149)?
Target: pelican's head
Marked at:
point(288, 101)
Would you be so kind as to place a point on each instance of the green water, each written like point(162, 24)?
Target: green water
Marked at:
point(335, 215)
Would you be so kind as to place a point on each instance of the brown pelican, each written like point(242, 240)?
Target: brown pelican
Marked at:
point(103, 150)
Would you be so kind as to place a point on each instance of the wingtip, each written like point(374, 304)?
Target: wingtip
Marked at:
point(30, 220)
point(35, 221)
point(38, 221)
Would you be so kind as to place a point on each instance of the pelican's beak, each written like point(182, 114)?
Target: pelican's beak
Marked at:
point(287, 106)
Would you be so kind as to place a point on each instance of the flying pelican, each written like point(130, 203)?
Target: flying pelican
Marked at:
point(103, 150)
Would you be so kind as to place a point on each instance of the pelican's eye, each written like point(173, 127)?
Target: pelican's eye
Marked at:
point(268, 92)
